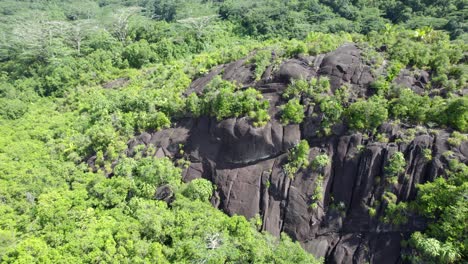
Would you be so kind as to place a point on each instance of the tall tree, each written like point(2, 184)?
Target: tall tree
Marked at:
point(121, 21)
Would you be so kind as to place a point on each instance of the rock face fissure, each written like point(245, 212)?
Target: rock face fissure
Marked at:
point(246, 164)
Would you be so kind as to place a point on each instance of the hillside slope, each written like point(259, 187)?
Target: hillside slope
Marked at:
point(338, 209)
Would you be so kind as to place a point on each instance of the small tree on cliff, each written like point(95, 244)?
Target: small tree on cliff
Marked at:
point(367, 115)
point(292, 112)
point(396, 164)
point(298, 158)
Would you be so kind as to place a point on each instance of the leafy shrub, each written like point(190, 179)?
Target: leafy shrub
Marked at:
point(261, 59)
point(298, 158)
point(296, 88)
point(411, 52)
point(221, 100)
point(381, 85)
point(59, 77)
point(456, 114)
point(295, 47)
point(332, 111)
point(259, 117)
point(457, 138)
point(265, 19)
point(367, 115)
point(396, 213)
point(321, 85)
point(164, 9)
point(12, 108)
point(125, 167)
point(381, 137)
point(165, 50)
point(320, 161)
point(320, 43)
point(99, 158)
point(312, 88)
point(427, 153)
point(396, 164)
point(111, 192)
point(139, 53)
point(410, 106)
point(342, 94)
point(432, 250)
point(156, 172)
point(200, 189)
point(193, 105)
point(393, 70)
point(389, 197)
point(372, 212)
point(101, 135)
point(317, 196)
point(152, 121)
point(292, 112)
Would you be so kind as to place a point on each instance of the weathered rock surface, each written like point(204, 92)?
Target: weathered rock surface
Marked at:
point(246, 164)
point(417, 81)
point(294, 69)
point(164, 193)
point(344, 65)
point(117, 83)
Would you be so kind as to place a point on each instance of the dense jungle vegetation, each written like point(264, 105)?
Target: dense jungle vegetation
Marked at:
point(80, 78)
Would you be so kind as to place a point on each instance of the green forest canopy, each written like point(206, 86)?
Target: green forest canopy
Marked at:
point(56, 55)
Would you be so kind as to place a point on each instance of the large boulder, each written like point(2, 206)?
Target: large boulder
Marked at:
point(416, 80)
point(294, 69)
point(344, 65)
point(246, 163)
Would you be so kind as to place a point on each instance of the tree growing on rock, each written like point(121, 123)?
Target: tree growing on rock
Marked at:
point(396, 164)
point(457, 114)
point(298, 158)
point(200, 189)
point(367, 115)
point(292, 112)
point(321, 161)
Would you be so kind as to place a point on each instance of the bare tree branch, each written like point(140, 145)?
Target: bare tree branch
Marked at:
point(198, 24)
point(121, 22)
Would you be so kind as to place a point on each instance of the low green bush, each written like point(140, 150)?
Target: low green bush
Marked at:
point(200, 189)
point(367, 115)
point(292, 112)
point(298, 158)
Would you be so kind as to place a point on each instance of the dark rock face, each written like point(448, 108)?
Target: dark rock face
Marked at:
point(294, 69)
point(164, 193)
point(417, 81)
point(344, 65)
point(246, 165)
point(238, 71)
point(117, 83)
